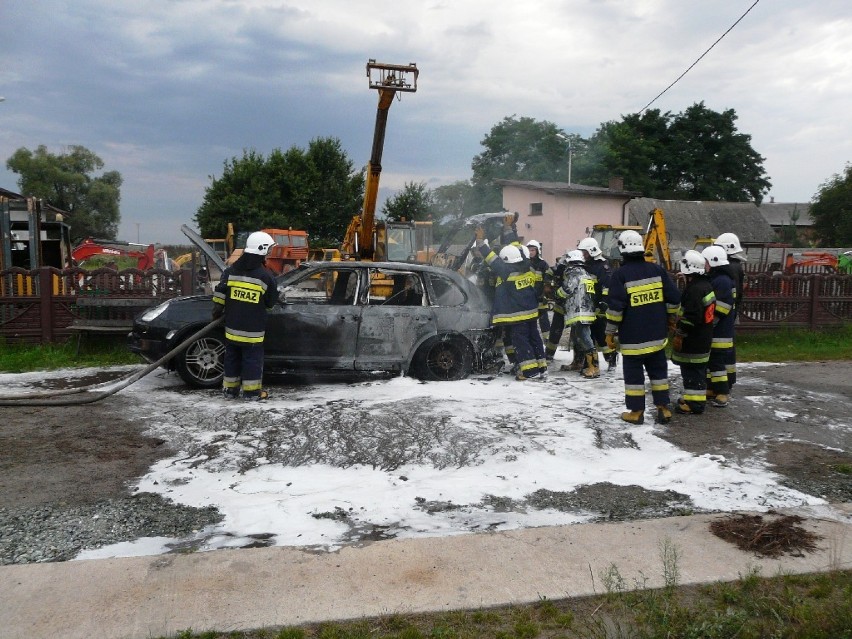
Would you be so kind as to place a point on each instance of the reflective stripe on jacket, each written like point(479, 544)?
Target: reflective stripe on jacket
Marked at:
point(246, 296)
point(641, 298)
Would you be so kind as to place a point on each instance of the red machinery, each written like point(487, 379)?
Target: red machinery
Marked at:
point(145, 258)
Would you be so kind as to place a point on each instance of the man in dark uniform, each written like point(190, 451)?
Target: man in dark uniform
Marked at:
point(245, 292)
point(643, 301)
point(694, 333)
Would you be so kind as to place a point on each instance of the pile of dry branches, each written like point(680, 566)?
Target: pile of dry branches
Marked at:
point(771, 537)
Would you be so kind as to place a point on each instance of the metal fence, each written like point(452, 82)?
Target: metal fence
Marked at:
point(795, 301)
point(40, 305)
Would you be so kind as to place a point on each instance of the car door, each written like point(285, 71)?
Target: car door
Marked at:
point(316, 324)
point(396, 316)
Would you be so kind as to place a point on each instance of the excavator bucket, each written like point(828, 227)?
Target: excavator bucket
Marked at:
point(399, 77)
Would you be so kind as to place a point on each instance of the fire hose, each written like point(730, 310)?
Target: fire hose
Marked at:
point(101, 390)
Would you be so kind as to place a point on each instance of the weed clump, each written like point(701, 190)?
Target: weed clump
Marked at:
point(767, 537)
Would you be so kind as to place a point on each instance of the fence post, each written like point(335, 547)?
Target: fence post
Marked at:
point(45, 294)
point(815, 285)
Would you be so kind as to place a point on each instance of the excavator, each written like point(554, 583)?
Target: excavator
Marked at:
point(655, 236)
point(366, 238)
point(147, 257)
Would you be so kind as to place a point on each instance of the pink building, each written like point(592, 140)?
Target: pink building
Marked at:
point(559, 214)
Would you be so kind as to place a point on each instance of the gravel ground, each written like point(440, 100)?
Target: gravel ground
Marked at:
point(66, 474)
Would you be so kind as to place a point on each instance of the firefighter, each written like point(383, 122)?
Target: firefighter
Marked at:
point(597, 265)
point(516, 306)
point(577, 296)
point(643, 302)
point(552, 281)
point(245, 292)
point(736, 259)
point(539, 267)
point(723, 330)
point(694, 333)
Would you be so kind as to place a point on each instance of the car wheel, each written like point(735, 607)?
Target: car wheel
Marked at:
point(202, 364)
point(443, 359)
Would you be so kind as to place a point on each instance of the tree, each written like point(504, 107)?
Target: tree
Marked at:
point(414, 202)
point(519, 149)
point(831, 210)
point(316, 189)
point(67, 182)
point(694, 155)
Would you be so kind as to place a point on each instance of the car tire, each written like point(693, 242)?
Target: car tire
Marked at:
point(202, 364)
point(443, 358)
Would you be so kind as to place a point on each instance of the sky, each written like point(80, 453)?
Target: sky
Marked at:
point(271, 467)
point(166, 91)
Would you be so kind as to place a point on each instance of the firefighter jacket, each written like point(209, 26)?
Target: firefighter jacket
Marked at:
point(515, 299)
point(695, 321)
point(246, 296)
point(577, 295)
point(539, 267)
point(723, 287)
point(641, 298)
point(737, 273)
point(552, 281)
point(600, 269)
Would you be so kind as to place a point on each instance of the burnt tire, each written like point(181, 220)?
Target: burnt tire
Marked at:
point(202, 364)
point(443, 359)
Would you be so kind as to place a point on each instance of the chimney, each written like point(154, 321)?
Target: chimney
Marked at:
point(616, 184)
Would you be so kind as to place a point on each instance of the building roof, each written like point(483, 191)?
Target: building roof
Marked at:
point(686, 221)
point(778, 214)
point(566, 188)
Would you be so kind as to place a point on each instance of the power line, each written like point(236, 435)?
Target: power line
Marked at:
point(719, 39)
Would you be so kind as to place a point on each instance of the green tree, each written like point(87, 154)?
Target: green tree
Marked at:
point(831, 210)
point(517, 149)
point(789, 233)
point(694, 155)
point(413, 202)
point(316, 189)
point(453, 201)
point(630, 149)
point(67, 181)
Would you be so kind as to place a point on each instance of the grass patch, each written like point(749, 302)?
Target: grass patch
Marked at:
point(22, 358)
point(785, 345)
point(817, 606)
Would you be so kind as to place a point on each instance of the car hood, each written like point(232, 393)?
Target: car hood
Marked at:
point(203, 246)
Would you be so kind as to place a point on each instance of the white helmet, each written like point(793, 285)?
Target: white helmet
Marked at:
point(693, 262)
point(590, 244)
point(525, 252)
point(258, 243)
point(576, 257)
point(536, 245)
point(715, 256)
point(729, 242)
point(511, 254)
point(630, 242)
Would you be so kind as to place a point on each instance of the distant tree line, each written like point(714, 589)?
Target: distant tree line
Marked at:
point(695, 155)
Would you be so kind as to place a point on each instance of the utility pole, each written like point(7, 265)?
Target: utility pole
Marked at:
point(562, 136)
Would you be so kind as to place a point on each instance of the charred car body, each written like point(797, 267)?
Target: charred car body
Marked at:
point(426, 321)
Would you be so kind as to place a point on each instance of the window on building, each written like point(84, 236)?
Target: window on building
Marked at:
point(536, 208)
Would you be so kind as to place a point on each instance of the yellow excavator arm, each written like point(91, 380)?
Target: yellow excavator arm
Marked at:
point(388, 80)
point(657, 240)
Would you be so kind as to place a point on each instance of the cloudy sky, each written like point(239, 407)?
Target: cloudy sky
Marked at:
point(166, 90)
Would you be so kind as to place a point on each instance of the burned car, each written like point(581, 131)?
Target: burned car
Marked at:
point(421, 320)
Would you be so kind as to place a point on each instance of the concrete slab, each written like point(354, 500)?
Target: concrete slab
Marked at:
point(143, 597)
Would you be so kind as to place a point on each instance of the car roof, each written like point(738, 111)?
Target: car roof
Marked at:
point(475, 292)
